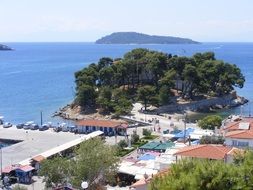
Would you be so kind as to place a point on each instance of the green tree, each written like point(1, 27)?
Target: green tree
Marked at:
point(86, 96)
point(122, 144)
point(164, 95)
point(146, 132)
point(212, 140)
point(104, 99)
point(56, 170)
point(210, 122)
point(146, 94)
point(201, 174)
point(95, 162)
point(135, 137)
point(104, 62)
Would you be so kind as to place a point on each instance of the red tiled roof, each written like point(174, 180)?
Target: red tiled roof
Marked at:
point(8, 169)
point(209, 151)
point(26, 168)
point(235, 124)
point(240, 134)
point(38, 158)
point(101, 123)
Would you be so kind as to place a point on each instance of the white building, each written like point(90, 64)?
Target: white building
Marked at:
point(239, 138)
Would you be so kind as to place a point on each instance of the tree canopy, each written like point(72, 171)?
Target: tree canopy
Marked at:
point(94, 162)
point(201, 74)
point(201, 174)
point(210, 122)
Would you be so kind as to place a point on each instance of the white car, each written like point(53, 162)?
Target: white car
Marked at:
point(7, 125)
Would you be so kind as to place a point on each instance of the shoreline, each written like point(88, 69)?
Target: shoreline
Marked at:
point(193, 110)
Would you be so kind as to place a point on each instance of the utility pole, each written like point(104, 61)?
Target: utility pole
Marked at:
point(1, 162)
point(41, 119)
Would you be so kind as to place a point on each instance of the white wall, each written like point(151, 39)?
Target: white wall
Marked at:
point(229, 142)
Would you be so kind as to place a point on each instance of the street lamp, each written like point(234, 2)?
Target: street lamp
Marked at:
point(1, 151)
point(185, 117)
point(84, 185)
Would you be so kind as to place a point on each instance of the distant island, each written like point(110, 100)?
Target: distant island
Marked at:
point(4, 47)
point(139, 38)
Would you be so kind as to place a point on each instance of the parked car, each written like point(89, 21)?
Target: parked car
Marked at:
point(28, 124)
point(73, 129)
point(20, 125)
point(34, 126)
point(64, 127)
point(44, 127)
point(50, 124)
point(1, 120)
point(7, 125)
point(57, 129)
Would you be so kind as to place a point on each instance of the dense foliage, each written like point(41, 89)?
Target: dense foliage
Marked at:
point(149, 76)
point(210, 122)
point(199, 174)
point(212, 140)
point(95, 162)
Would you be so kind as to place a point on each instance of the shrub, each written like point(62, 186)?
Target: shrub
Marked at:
point(134, 137)
point(210, 122)
point(122, 144)
point(212, 140)
point(146, 132)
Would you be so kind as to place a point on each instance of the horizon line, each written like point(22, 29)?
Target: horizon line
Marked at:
point(124, 44)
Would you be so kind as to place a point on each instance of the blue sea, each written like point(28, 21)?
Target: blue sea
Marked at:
point(40, 76)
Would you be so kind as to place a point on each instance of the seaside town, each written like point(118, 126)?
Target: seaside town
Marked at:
point(129, 95)
point(149, 145)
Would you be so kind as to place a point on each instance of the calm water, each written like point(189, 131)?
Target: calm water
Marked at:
point(40, 76)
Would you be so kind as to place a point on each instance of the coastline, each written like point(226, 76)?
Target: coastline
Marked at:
point(194, 110)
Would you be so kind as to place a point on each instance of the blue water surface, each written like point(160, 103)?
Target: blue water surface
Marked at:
point(40, 76)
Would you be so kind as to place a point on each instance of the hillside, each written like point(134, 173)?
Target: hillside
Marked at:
point(4, 47)
point(138, 38)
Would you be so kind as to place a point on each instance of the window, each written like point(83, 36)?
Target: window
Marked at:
point(240, 143)
point(234, 143)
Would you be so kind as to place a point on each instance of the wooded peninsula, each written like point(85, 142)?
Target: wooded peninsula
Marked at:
point(154, 78)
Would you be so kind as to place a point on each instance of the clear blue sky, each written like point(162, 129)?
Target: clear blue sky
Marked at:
point(88, 20)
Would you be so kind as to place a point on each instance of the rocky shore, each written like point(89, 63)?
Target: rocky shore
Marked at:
point(206, 104)
point(73, 112)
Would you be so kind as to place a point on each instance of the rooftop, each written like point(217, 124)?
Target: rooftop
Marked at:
point(38, 158)
point(101, 123)
point(209, 151)
point(34, 143)
point(157, 146)
point(240, 124)
point(240, 134)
